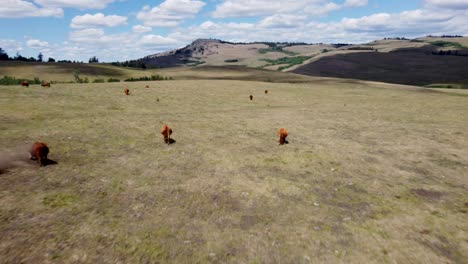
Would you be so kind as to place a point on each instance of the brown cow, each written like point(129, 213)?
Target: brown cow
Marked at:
point(251, 97)
point(45, 84)
point(282, 134)
point(266, 91)
point(39, 152)
point(166, 131)
point(25, 84)
point(126, 91)
point(147, 86)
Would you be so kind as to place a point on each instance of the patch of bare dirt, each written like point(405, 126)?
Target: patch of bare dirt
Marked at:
point(428, 194)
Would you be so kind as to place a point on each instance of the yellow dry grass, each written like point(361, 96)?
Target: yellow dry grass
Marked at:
point(373, 173)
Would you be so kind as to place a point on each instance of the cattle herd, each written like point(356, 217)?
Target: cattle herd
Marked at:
point(39, 150)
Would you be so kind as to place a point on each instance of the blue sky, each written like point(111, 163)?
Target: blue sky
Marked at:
point(129, 29)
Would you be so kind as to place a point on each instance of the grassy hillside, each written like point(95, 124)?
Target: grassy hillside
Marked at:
point(373, 173)
point(208, 52)
point(411, 66)
point(63, 72)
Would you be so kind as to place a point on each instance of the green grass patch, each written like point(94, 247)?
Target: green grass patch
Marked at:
point(291, 61)
point(447, 44)
point(156, 77)
point(59, 200)
point(113, 80)
point(10, 80)
point(276, 49)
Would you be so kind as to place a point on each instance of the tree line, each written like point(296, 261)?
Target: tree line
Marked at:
point(40, 58)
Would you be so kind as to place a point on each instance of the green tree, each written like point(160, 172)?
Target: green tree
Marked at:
point(51, 60)
point(93, 60)
point(3, 55)
point(40, 57)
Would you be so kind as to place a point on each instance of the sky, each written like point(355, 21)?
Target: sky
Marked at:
point(119, 30)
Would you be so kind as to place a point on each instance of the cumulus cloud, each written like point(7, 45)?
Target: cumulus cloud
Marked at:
point(246, 8)
point(141, 29)
point(408, 23)
point(282, 21)
point(156, 40)
point(37, 44)
point(355, 3)
point(20, 8)
point(10, 46)
point(99, 19)
point(322, 10)
point(449, 4)
point(170, 13)
point(86, 35)
point(81, 4)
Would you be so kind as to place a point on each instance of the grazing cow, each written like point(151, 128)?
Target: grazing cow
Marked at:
point(147, 86)
point(126, 91)
point(39, 152)
point(266, 91)
point(251, 97)
point(45, 84)
point(282, 134)
point(166, 131)
point(157, 99)
point(25, 84)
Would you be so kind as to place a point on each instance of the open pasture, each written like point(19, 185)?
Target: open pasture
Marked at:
point(373, 173)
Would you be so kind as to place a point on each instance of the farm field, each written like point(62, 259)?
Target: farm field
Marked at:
point(373, 172)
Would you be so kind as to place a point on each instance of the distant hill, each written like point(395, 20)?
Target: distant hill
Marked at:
point(212, 52)
point(413, 66)
point(420, 61)
point(439, 63)
point(65, 72)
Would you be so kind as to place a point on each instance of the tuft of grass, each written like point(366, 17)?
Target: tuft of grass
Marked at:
point(59, 200)
point(156, 77)
point(10, 80)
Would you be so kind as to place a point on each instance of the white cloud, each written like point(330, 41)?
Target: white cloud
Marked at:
point(37, 44)
point(355, 3)
point(86, 35)
point(10, 46)
point(141, 29)
point(246, 8)
point(99, 19)
point(282, 21)
point(170, 13)
point(21, 8)
point(322, 10)
point(449, 4)
point(409, 23)
point(367, 23)
point(81, 4)
point(158, 40)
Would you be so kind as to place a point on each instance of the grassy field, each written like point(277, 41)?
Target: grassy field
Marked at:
point(373, 173)
point(63, 72)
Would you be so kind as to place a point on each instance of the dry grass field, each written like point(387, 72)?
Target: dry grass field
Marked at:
point(63, 72)
point(373, 173)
